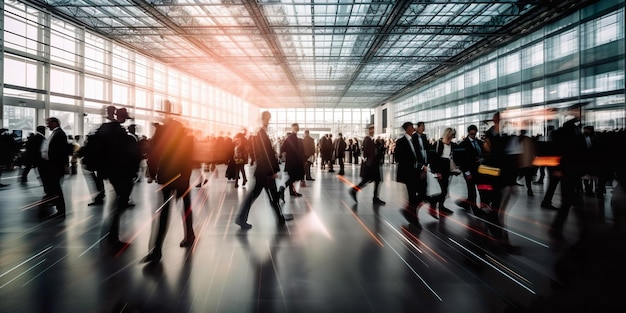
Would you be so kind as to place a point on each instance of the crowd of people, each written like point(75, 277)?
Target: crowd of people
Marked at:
point(491, 164)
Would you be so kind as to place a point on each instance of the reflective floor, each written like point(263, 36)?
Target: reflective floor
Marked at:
point(335, 256)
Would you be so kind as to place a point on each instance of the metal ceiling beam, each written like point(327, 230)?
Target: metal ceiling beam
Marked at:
point(537, 17)
point(392, 20)
point(270, 39)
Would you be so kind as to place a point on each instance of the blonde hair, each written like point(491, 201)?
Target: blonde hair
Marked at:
point(448, 134)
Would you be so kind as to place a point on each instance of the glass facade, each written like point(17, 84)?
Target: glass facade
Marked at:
point(54, 68)
point(535, 81)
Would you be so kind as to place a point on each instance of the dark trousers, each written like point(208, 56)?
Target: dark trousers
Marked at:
point(367, 181)
point(341, 165)
point(99, 184)
point(269, 184)
point(123, 187)
point(51, 180)
point(444, 182)
point(170, 195)
point(307, 170)
point(471, 190)
point(552, 184)
point(413, 198)
point(568, 199)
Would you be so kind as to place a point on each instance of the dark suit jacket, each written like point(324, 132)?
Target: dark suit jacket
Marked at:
point(469, 159)
point(170, 154)
point(409, 164)
point(294, 156)
point(267, 162)
point(370, 168)
point(340, 148)
point(58, 154)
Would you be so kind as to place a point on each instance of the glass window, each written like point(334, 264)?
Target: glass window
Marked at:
point(63, 81)
point(20, 28)
point(63, 43)
point(66, 119)
point(95, 88)
point(121, 94)
point(19, 118)
point(121, 63)
point(21, 72)
point(95, 54)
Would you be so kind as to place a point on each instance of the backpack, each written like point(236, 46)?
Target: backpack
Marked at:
point(91, 153)
point(239, 154)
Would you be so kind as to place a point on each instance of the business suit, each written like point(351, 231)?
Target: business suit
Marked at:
point(370, 168)
point(410, 170)
point(470, 158)
point(340, 153)
point(53, 166)
point(265, 176)
point(168, 160)
point(294, 160)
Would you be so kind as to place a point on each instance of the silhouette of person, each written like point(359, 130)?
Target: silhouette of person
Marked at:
point(168, 164)
point(54, 165)
point(265, 176)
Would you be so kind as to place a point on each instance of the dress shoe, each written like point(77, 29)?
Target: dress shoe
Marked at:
point(331, 171)
point(281, 193)
point(4, 185)
point(410, 217)
point(353, 194)
point(295, 194)
point(188, 242)
point(445, 211)
point(342, 173)
point(236, 185)
point(244, 182)
point(378, 201)
point(152, 257)
point(464, 204)
point(242, 224)
point(548, 206)
point(310, 178)
point(117, 245)
point(96, 202)
point(288, 217)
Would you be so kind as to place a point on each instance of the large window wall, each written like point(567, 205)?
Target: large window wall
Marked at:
point(572, 67)
point(350, 122)
point(54, 68)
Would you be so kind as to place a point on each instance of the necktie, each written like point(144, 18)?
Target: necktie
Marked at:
point(414, 154)
point(477, 147)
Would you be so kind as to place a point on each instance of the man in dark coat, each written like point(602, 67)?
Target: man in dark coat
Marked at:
point(309, 154)
point(33, 154)
point(168, 164)
point(370, 168)
point(119, 164)
point(294, 160)
point(54, 164)
point(469, 159)
point(411, 168)
point(340, 152)
point(265, 175)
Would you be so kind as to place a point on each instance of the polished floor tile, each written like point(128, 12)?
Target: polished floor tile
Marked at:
point(335, 256)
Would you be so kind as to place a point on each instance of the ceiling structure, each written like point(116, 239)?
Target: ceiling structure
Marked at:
point(313, 53)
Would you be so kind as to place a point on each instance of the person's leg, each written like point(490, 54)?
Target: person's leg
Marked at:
point(341, 166)
point(187, 215)
point(244, 210)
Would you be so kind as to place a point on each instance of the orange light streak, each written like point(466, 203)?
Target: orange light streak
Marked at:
point(380, 243)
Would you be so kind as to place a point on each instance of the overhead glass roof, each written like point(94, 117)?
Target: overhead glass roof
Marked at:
point(310, 53)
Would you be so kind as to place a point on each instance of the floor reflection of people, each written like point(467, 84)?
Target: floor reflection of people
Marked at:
point(267, 293)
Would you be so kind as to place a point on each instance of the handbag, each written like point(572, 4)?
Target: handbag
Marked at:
point(432, 185)
point(488, 170)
